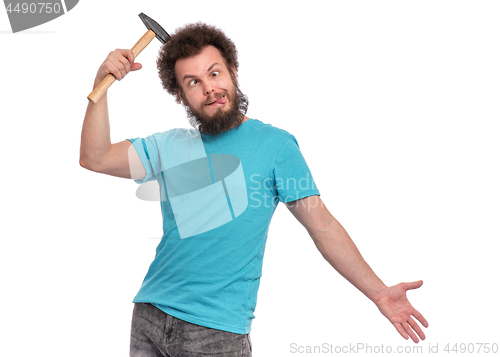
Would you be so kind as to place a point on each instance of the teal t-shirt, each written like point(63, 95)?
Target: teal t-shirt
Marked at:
point(218, 195)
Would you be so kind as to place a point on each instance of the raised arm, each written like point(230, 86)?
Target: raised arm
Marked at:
point(96, 151)
point(339, 250)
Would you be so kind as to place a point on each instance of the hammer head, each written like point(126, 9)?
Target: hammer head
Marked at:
point(152, 25)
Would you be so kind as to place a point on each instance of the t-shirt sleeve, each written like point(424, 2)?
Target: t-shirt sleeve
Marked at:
point(292, 177)
point(148, 152)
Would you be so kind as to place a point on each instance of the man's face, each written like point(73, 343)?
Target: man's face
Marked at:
point(209, 91)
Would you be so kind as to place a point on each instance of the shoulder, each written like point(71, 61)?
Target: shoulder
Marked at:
point(177, 134)
point(270, 132)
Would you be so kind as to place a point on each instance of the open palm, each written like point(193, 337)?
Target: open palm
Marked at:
point(394, 305)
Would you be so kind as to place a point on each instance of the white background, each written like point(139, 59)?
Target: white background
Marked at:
point(395, 105)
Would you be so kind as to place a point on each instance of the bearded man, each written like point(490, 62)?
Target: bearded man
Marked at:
point(220, 183)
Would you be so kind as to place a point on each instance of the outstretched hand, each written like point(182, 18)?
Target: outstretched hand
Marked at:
point(394, 305)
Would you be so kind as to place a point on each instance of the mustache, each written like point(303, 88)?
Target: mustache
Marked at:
point(216, 97)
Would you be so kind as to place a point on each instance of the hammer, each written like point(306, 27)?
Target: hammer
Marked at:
point(154, 30)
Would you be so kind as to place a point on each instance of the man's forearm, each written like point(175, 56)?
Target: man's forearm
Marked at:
point(340, 251)
point(96, 140)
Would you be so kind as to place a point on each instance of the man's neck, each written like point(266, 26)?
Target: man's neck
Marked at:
point(245, 118)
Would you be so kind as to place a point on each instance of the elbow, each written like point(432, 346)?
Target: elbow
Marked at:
point(86, 163)
point(83, 163)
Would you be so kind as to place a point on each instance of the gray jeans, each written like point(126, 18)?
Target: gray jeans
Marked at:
point(157, 334)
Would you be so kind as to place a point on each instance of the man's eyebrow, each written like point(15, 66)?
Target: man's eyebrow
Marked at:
point(187, 76)
point(212, 66)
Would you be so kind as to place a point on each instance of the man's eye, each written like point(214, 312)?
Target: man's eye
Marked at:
point(215, 73)
point(193, 82)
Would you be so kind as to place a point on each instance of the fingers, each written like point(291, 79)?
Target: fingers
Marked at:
point(119, 63)
point(135, 66)
point(420, 318)
point(406, 332)
point(127, 54)
point(417, 329)
point(408, 329)
point(410, 332)
point(401, 330)
point(413, 285)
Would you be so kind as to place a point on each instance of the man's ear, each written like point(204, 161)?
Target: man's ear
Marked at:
point(234, 74)
point(180, 97)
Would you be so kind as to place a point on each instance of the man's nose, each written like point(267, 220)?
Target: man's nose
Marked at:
point(207, 89)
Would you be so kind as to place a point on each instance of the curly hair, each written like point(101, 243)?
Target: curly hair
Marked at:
point(189, 41)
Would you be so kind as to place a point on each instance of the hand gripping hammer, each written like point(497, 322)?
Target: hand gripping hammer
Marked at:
point(154, 30)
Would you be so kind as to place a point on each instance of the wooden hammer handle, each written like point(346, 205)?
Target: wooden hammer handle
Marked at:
point(102, 87)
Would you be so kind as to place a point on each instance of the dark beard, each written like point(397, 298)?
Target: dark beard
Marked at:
point(222, 120)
